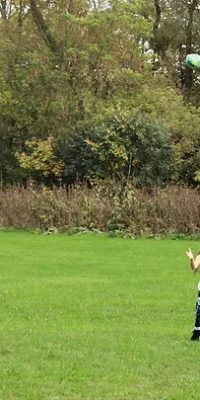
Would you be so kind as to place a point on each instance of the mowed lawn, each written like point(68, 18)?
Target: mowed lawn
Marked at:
point(91, 317)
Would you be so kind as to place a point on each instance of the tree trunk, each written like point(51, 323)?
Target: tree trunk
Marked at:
point(3, 9)
point(48, 38)
point(156, 25)
point(188, 78)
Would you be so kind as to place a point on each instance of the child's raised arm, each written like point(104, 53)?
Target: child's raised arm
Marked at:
point(194, 262)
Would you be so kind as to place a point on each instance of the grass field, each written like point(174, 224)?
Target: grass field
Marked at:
point(90, 317)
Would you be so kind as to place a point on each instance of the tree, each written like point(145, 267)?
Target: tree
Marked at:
point(40, 159)
point(67, 67)
point(175, 34)
point(133, 146)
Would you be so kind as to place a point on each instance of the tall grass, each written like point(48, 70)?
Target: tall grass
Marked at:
point(106, 207)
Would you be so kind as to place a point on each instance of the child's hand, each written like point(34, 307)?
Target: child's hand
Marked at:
point(189, 254)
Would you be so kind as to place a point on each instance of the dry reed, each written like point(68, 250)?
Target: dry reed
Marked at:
point(106, 207)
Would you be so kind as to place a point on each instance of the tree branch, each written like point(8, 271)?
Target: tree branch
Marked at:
point(48, 38)
point(3, 9)
point(157, 45)
point(158, 16)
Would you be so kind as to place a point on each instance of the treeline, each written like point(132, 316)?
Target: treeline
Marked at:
point(99, 90)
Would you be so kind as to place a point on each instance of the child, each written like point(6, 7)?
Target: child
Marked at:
point(194, 264)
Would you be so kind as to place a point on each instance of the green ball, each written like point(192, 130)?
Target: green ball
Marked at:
point(193, 60)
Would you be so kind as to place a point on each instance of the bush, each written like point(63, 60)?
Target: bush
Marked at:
point(78, 158)
point(123, 146)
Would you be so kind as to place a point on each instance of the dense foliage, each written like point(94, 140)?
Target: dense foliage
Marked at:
point(99, 90)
